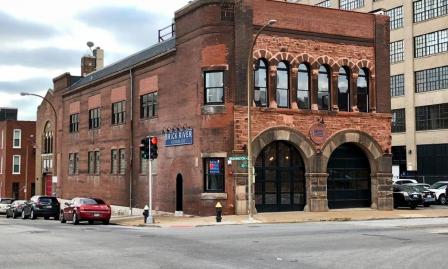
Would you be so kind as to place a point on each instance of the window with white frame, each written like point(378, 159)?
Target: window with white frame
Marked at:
point(351, 4)
point(396, 17)
point(396, 52)
point(17, 139)
point(16, 164)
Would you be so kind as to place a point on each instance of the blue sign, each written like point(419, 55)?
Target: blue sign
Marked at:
point(179, 138)
point(214, 167)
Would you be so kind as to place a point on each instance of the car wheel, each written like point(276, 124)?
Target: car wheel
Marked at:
point(56, 217)
point(413, 206)
point(75, 219)
point(61, 218)
point(91, 222)
point(426, 205)
point(442, 199)
point(7, 215)
point(46, 218)
point(33, 215)
point(14, 215)
point(105, 222)
point(23, 214)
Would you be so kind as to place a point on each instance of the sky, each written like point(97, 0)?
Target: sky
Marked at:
point(40, 40)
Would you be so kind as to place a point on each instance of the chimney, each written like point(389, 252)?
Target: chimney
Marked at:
point(90, 63)
point(98, 53)
point(87, 65)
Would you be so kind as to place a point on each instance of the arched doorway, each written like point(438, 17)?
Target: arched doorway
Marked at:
point(348, 183)
point(179, 193)
point(280, 178)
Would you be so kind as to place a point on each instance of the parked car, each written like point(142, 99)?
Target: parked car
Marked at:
point(4, 203)
point(439, 188)
point(401, 181)
point(86, 209)
point(429, 197)
point(406, 196)
point(41, 206)
point(15, 209)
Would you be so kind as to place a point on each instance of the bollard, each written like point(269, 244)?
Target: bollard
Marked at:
point(218, 212)
point(145, 213)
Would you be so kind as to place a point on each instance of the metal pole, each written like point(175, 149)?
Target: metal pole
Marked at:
point(250, 169)
point(150, 219)
point(26, 174)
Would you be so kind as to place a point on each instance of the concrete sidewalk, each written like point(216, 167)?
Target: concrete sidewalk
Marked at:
point(166, 220)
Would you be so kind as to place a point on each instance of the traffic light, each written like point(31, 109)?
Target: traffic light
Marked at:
point(144, 148)
point(153, 147)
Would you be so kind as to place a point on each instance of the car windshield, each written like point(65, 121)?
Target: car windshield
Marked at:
point(48, 200)
point(437, 185)
point(406, 188)
point(419, 188)
point(5, 201)
point(89, 201)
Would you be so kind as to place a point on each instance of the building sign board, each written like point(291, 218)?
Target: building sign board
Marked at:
point(179, 138)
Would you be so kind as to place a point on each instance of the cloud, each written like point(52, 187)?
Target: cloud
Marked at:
point(28, 85)
point(13, 29)
point(128, 24)
point(41, 57)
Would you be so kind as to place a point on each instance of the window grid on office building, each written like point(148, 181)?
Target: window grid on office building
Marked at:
point(396, 17)
point(396, 51)
point(431, 43)
point(351, 4)
point(431, 79)
point(431, 117)
point(398, 120)
point(325, 3)
point(429, 9)
point(397, 85)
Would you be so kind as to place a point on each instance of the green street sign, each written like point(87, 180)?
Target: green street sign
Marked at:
point(237, 158)
point(243, 165)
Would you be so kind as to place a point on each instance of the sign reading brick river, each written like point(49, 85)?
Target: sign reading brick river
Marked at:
point(179, 138)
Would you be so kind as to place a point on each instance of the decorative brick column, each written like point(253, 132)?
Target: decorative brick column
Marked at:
point(316, 192)
point(382, 197)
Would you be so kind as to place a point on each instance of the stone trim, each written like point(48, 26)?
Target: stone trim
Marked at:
point(213, 109)
point(214, 155)
point(214, 196)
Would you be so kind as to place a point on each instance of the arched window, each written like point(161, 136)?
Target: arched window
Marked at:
point(363, 90)
point(323, 91)
point(261, 84)
point(47, 143)
point(303, 87)
point(343, 90)
point(282, 84)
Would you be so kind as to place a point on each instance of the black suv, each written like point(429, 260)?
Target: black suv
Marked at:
point(42, 206)
point(406, 196)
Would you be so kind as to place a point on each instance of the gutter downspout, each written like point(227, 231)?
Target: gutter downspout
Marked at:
point(131, 151)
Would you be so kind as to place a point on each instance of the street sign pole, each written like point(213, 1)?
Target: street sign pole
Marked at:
point(150, 219)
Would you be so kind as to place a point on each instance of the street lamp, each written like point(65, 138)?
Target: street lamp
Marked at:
point(250, 169)
point(55, 124)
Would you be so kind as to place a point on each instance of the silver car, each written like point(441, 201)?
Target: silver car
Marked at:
point(4, 203)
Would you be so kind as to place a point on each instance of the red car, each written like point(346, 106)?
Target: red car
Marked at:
point(86, 209)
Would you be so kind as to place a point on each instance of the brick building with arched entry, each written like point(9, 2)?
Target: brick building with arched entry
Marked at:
point(320, 113)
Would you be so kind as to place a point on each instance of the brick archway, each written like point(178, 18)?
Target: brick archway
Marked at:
point(380, 164)
point(300, 141)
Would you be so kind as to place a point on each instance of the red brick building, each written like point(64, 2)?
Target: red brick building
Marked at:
point(17, 158)
point(321, 113)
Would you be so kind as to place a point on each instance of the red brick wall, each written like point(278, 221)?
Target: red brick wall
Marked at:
point(27, 165)
point(377, 125)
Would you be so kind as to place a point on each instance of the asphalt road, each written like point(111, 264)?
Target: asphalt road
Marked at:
point(412, 243)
